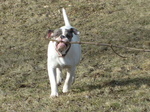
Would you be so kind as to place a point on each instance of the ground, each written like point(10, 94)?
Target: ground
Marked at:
point(105, 82)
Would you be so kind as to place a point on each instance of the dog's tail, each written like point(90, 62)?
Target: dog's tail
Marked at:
point(66, 20)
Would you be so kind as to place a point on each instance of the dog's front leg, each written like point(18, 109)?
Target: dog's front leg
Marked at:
point(59, 76)
point(69, 79)
point(53, 82)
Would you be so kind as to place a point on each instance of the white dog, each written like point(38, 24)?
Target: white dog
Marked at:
point(62, 54)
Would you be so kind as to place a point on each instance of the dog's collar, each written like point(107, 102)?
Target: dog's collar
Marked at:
point(63, 55)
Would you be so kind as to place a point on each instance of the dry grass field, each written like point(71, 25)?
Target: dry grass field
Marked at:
point(105, 82)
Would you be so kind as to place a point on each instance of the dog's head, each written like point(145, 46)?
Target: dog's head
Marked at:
point(63, 36)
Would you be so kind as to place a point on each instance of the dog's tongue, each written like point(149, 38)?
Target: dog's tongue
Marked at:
point(61, 46)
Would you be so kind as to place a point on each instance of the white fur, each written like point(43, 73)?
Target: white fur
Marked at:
point(66, 20)
point(55, 63)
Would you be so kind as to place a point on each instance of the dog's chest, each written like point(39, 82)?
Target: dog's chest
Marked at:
point(61, 62)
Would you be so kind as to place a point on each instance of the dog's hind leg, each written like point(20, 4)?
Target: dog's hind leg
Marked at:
point(59, 76)
point(69, 79)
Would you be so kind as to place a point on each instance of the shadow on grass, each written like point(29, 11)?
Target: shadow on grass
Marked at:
point(113, 83)
point(136, 81)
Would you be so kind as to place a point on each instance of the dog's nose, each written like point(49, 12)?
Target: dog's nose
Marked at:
point(62, 36)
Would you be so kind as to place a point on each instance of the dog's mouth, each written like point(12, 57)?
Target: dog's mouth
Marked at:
point(62, 48)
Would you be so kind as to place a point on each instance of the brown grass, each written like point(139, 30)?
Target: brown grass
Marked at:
point(104, 83)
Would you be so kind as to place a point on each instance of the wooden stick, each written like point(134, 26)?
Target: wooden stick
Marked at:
point(110, 45)
point(107, 45)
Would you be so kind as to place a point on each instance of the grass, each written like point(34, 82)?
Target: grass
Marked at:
point(104, 83)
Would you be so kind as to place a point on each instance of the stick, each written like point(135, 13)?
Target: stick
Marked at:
point(108, 45)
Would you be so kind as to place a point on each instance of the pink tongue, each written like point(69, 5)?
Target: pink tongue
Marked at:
point(61, 46)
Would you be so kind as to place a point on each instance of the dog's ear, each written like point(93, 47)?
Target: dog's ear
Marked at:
point(50, 34)
point(75, 31)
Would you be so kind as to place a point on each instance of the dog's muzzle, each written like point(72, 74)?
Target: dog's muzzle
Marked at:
point(63, 46)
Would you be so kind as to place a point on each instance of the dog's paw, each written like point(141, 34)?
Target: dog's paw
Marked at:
point(54, 95)
point(65, 90)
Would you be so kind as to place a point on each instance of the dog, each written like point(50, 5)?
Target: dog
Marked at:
point(62, 54)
